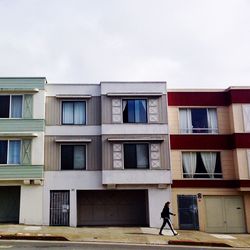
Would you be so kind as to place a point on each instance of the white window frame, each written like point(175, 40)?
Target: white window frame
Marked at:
point(20, 153)
point(123, 154)
point(191, 130)
point(10, 105)
point(73, 100)
point(195, 151)
point(73, 144)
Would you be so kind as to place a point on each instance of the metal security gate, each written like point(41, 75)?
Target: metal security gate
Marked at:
point(188, 212)
point(59, 208)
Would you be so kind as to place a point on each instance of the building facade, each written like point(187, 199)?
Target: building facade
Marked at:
point(106, 154)
point(209, 134)
point(22, 115)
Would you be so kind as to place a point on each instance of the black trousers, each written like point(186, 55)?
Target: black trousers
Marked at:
point(165, 221)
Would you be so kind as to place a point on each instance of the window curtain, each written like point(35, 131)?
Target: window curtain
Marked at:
point(14, 152)
point(246, 116)
point(185, 121)
point(209, 161)
point(248, 160)
point(124, 104)
point(142, 155)
point(68, 112)
point(16, 106)
point(189, 160)
point(79, 113)
point(212, 121)
point(79, 157)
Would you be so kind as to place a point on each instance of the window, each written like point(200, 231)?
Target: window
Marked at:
point(246, 117)
point(201, 165)
point(73, 157)
point(11, 106)
point(136, 156)
point(198, 120)
point(10, 151)
point(134, 111)
point(73, 112)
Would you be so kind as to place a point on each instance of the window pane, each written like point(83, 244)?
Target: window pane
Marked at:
point(68, 113)
point(130, 156)
point(79, 157)
point(125, 111)
point(16, 106)
point(142, 155)
point(4, 106)
point(67, 157)
point(199, 120)
point(140, 111)
point(14, 152)
point(3, 152)
point(79, 113)
point(131, 111)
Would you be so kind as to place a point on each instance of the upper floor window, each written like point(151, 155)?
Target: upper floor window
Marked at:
point(246, 117)
point(73, 157)
point(201, 165)
point(10, 151)
point(136, 156)
point(198, 120)
point(11, 106)
point(73, 112)
point(134, 111)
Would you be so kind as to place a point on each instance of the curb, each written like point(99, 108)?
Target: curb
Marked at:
point(197, 243)
point(33, 237)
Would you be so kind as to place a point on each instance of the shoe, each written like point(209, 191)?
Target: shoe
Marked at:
point(160, 233)
point(176, 234)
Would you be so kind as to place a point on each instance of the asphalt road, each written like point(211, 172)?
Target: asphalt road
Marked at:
point(34, 245)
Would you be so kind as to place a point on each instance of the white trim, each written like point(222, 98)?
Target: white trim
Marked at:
point(134, 94)
point(18, 134)
point(23, 91)
point(136, 176)
point(71, 130)
point(72, 140)
point(127, 139)
point(74, 96)
point(136, 129)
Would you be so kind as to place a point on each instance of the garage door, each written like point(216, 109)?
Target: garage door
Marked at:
point(112, 207)
point(10, 204)
point(225, 214)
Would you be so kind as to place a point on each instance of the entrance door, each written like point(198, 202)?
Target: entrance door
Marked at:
point(10, 204)
point(224, 214)
point(188, 212)
point(59, 208)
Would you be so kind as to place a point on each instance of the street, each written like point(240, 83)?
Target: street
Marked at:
point(30, 245)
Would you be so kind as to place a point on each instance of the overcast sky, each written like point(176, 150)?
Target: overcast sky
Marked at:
point(188, 43)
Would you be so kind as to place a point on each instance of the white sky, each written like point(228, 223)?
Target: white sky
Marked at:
point(188, 43)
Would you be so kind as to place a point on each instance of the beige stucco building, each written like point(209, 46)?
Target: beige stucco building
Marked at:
point(210, 142)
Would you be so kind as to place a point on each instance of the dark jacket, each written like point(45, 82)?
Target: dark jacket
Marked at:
point(166, 213)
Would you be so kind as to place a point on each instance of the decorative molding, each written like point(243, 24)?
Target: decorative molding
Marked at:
point(116, 111)
point(117, 156)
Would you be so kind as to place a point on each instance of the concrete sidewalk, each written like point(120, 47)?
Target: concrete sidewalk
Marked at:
point(126, 235)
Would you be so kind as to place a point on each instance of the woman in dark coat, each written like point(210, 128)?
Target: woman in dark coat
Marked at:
point(165, 215)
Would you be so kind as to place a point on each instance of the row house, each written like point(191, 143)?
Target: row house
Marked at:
point(22, 115)
point(106, 154)
point(210, 159)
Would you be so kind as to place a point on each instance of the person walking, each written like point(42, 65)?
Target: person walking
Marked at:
point(165, 215)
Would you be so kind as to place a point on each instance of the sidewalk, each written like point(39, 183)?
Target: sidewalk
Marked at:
point(128, 235)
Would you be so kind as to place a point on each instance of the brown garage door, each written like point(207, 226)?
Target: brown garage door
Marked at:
point(112, 207)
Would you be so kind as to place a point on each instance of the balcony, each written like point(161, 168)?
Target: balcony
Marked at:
point(135, 176)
